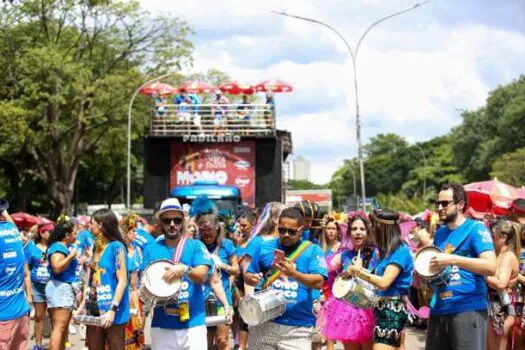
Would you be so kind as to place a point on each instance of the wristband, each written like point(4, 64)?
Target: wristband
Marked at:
point(114, 307)
point(186, 270)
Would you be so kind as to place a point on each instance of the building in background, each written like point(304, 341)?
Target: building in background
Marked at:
point(301, 169)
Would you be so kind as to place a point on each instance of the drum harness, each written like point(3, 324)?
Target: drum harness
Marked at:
point(175, 258)
point(275, 274)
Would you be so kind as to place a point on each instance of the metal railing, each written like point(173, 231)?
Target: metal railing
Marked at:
point(213, 120)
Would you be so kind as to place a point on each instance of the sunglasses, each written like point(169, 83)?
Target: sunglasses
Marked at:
point(176, 221)
point(444, 204)
point(284, 230)
point(358, 228)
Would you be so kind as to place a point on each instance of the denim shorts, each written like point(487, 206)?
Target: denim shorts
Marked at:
point(38, 290)
point(60, 295)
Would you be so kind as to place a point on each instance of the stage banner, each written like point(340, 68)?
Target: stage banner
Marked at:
point(227, 163)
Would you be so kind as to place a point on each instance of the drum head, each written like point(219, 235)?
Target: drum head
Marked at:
point(341, 287)
point(155, 284)
point(422, 262)
point(250, 311)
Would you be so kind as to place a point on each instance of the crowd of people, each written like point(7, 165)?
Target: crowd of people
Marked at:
point(221, 116)
point(358, 279)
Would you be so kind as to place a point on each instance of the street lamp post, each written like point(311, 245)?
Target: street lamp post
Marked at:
point(425, 165)
point(353, 55)
point(128, 197)
point(355, 195)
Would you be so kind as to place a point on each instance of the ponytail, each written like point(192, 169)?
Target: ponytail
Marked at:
point(517, 238)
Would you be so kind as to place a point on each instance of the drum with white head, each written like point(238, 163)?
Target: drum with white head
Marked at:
point(262, 306)
point(355, 291)
point(428, 274)
point(155, 291)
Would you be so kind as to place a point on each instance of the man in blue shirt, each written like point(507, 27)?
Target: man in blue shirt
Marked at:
point(458, 318)
point(180, 325)
point(15, 284)
point(297, 281)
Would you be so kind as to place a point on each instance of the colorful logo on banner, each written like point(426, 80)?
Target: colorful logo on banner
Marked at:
point(228, 164)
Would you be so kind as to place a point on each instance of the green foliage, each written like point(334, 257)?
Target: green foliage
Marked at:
point(303, 185)
point(510, 168)
point(67, 71)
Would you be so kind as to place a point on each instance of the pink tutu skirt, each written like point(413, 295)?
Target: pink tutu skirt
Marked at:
point(343, 322)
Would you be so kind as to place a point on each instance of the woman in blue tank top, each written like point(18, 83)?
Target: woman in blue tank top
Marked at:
point(38, 266)
point(60, 292)
point(108, 288)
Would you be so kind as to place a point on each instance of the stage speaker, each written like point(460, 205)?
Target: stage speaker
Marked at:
point(156, 171)
point(269, 176)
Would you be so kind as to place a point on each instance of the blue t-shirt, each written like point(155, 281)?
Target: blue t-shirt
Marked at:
point(142, 239)
point(465, 290)
point(85, 241)
point(37, 263)
point(299, 297)
point(105, 281)
point(135, 260)
point(347, 255)
point(194, 254)
point(70, 273)
point(13, 303)
point(226, 250)
point(403, 259)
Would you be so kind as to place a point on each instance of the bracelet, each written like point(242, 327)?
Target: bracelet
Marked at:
point(114, 307)
point(186, 270)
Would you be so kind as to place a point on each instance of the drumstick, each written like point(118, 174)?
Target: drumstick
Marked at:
point(359, 254)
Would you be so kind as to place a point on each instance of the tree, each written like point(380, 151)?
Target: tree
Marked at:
point(510, 168)
point(67, 71)
point(303, 185)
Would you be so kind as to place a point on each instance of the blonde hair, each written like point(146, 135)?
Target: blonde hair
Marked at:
point(512, 231)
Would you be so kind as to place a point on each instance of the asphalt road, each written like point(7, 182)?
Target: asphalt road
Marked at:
point(415, 340)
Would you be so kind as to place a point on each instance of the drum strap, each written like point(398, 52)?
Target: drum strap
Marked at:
point(296, 253)
point(177, 253)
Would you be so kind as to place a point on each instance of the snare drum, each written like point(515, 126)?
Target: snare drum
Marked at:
point(355, 291)
point(262, 307)
point(430, 276)
point(154, 289)
point(215, 313)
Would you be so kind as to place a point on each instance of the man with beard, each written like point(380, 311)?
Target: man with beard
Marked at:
point(297, 272)
point(458, 318)
point(180, 325)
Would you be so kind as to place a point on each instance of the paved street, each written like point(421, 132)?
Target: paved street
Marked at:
point(415, 340)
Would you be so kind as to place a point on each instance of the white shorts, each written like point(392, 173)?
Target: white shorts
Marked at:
point(179, 339)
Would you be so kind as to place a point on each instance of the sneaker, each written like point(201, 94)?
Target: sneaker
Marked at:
point(38, 347)
point(72, 329)
point(68, 345)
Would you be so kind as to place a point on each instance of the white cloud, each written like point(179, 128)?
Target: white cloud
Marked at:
point(414, 71)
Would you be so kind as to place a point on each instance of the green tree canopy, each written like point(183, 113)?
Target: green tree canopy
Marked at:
point(67, 71)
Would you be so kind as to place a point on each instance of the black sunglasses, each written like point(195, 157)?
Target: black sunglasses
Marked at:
point(444, 204)
point(284, 230)
point(167, 221)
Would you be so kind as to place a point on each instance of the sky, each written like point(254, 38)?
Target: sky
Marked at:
point(416, 72)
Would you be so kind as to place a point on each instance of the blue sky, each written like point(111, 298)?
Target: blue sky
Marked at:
point(415, 71)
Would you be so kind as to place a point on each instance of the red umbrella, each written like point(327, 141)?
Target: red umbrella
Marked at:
point(24, 220)
point(273, 85)
point(198, 87)
point(237, 88)
point(521, 192)
point(158, 88)
point(491, 196)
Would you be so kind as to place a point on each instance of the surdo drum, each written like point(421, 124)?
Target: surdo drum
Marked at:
point(430, 276)
point(355, 291)
point(155, 291)
point(262, 306)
